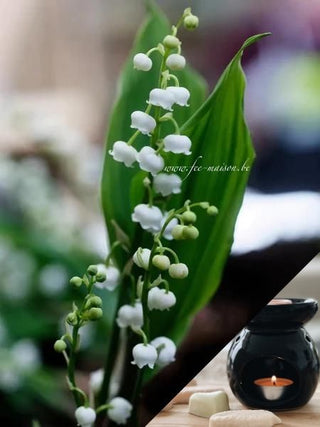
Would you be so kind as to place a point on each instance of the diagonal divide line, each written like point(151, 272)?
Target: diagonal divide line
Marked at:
point(249, 282)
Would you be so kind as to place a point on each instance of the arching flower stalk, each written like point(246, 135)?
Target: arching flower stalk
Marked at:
point(156, 265)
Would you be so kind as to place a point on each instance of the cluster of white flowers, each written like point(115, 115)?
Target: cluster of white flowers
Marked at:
point(150, 217)
point(159, 263)
point(149, 158)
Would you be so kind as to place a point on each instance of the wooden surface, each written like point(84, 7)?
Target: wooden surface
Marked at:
point(214, 375)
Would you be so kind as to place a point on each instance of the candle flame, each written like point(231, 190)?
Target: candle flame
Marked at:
point(274, 380)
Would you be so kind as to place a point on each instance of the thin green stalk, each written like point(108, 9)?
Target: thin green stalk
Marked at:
point(157, 115)
point(71, 365)
point(133, 137)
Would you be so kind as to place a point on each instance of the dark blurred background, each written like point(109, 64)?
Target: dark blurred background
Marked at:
point(59, 63)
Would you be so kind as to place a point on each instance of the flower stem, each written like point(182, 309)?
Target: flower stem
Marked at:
point(154, 49)
point(169, 118)
point(157, 115)
point(71, 366)
point(144, 337)
point(102, 408)
point(175, 256)
point(133, 137)
point(174, 78)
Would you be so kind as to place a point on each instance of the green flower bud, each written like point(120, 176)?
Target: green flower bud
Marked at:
point(60, 346)
point(191, 22)
point(101, 277)
point(171, 42)
point(72, 319)
point(177, 232)
point(93, 301)
point(212, 210)
point(189, 217)
point(92, 270)
point(204, 205)
point(178, 271)
point(95, 313)
point(190, 232)
point(161, 261)
point(76, 281)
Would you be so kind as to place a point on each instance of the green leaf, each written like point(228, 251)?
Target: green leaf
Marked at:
point(220, 136)
point(117, 188)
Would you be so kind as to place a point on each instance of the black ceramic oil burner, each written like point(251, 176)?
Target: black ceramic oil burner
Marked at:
point(273, 363)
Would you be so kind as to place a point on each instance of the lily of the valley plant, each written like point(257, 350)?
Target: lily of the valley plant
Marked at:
point(169, 236)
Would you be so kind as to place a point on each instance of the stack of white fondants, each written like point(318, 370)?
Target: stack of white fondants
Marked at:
point(215, 406)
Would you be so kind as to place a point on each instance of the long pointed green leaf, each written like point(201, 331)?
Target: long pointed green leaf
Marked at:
point(220, 135)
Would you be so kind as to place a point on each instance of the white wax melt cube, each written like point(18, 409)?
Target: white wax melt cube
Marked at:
point(207, 404)
point(244, 418)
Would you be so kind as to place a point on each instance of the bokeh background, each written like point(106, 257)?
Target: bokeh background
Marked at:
point(59, 63)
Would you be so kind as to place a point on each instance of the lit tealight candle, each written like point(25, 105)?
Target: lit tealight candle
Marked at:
point(273, 388)
point(280, 301)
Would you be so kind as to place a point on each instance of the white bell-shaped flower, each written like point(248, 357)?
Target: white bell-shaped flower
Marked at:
point(181, 95)
point(178, 271)
point(112, 277)
point(150, 161)
point(167, 184)
point(143, 122)
point(176, 62)
point(142, 62)
point(161, 98)
point(120, 410)
point(141, 258)
point(130, 315)
point(167, 234)
point(178, 144)
point(95, 380)
point(167, 350)
point(160, 299)
point(144, 355)
point(149, 217)
point(122, 152)
point(85, 416)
